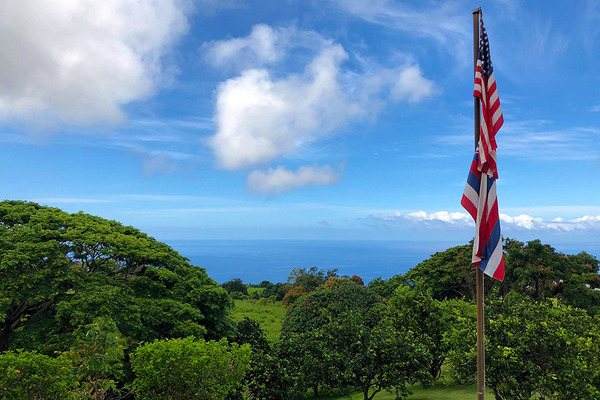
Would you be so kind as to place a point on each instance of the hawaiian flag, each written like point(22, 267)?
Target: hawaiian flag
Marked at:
point(479, 198)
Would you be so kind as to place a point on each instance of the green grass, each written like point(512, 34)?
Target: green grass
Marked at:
point(268, 314)
point(444, 389)
point(252, 290)
point(440, 391)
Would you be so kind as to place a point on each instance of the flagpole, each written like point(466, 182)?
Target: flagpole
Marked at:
point(479, 276)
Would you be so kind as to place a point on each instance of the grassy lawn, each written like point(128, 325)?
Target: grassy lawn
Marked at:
point(267, 313)
point(444, 389)
point(440, 391)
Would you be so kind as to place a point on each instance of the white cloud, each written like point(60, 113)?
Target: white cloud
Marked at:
point(412, 86)
point(257, 48)
point(260, 118)
point(444, 219)
point(79, 62)
point(524, 221)
point(438, 20)
point(280, 180)
point(595, 108)
point(437, 219)
point(263, 46)
point(262, 115)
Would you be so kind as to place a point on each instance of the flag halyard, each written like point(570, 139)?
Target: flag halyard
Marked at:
point(479, 198)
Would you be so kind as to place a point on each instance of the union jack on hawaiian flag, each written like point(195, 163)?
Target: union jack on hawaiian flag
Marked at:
point(479, 198)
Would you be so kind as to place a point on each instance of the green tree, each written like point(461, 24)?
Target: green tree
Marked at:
point(541, 349)
point(538, 271)
point(235, 286)
point(293, 294)
point(61, 271)
point(29, 375)
point(414, 310)
point(340, 337)
point(447, 275)
point(276, 291)
point(387, 287)
point(185, 369)
point(267, 377)
point(97, 355)
point(312, 278)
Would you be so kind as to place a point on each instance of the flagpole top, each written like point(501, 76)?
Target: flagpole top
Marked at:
point(477, 10)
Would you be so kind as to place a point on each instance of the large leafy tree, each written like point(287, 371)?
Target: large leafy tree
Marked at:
point(538, 271)
point(447, 274)
point(61, 271)
point(534, 349)
point(414, 310)
point(533, 269)
point(340, 336)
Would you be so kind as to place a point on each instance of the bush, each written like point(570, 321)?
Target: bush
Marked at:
point(28, 375)
point(235, 286)
point(184, 369)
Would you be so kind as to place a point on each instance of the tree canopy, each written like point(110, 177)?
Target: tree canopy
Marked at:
point(61, 271)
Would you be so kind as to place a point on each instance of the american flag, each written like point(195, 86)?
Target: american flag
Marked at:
point(479, 198)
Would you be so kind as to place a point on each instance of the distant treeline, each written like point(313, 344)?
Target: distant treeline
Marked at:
point(92, 309)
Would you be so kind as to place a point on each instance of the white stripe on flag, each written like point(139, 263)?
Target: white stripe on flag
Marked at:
point(471, 194)
point(494, 260)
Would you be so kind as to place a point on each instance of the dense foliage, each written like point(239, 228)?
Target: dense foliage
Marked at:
point(185, 369)
point(60, 272)
point(341, 336)
point(92, 309)
point(541, 349)
point(29, 375)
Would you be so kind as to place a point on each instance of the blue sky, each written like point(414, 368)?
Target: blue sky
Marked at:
point(299, 119)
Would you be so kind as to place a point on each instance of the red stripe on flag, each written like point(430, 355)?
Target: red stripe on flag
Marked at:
point(470, 207)
point(499, 273)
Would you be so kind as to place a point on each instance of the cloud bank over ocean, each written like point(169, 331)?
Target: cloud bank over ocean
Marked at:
point(457, 220)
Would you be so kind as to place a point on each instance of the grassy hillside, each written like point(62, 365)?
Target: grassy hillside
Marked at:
point(268, 314)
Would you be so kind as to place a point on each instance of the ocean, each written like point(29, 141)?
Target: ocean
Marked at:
point(254, 261)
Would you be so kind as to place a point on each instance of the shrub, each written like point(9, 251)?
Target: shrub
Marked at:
point(185, 369)
point(28, 375)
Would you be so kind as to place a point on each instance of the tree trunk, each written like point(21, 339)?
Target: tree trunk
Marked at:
point(15, 314)
point(366, 393)
point(435, 369)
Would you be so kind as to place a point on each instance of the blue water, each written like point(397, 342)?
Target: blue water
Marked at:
point(256, 260)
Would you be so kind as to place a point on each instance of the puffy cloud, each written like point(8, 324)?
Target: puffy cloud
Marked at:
point(524, 221)
point(437, 219)
point(78, 62)
point(260, 118)
point(444, 219)
point(412, 86)
point(280, 180)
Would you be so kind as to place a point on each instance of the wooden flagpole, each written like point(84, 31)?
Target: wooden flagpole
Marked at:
point(479, 277)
